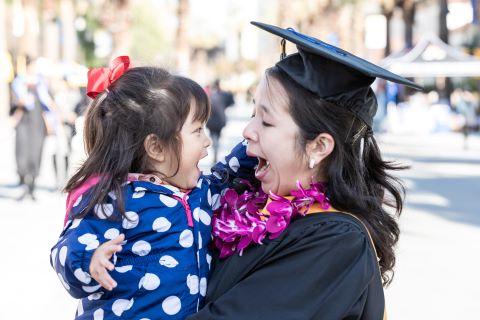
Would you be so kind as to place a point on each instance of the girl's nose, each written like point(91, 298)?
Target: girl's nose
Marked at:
point(208, 141)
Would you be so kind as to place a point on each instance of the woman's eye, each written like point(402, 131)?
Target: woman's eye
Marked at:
point(266, 124)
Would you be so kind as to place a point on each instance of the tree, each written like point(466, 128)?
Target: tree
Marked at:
point(4, 97)
point(443, 30)
point(387, 7)
point(116, 19)
point(68, 33)
point(445, 88)
point(182, 60)
point(408, 10)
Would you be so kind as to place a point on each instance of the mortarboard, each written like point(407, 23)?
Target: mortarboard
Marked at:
point(333, 74)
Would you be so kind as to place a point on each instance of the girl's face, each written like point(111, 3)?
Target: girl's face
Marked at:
point(194, 148)
point(272, 137)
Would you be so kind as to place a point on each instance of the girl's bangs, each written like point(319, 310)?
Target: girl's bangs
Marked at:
point(201, 104)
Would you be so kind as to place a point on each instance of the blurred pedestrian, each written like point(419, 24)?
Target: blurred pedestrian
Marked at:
point(219, 100)
point(465, 105)
point(30, 102)
point(62, 118)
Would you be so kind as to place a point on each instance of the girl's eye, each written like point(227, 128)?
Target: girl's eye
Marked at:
point(199, 130)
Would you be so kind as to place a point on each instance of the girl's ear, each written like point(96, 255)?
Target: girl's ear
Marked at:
point(319, 148)
point(154, 148)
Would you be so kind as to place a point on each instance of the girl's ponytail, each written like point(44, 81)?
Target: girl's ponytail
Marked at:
point(93, 127)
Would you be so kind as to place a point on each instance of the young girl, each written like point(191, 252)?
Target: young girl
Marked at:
point(141, 194)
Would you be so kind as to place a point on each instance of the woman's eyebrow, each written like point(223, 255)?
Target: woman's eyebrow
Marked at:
point(262, 106)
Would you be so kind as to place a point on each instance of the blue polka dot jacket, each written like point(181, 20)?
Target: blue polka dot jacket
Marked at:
point(162, 270)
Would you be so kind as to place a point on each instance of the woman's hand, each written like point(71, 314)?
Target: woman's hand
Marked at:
point(100, 262)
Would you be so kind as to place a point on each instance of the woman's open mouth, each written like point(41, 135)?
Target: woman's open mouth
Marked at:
point(262, 168)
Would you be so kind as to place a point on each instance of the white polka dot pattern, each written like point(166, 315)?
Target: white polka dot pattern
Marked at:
point(103, 211)
point(171, 305)
point(121, 305)
point(186, 238)
point(141, 248)
point(161, 224)
point(168, 261)
point(98, 314)
point(131, 220)
point(149, 281)
point(90, 240)
point(168, 201)
point(192, 283)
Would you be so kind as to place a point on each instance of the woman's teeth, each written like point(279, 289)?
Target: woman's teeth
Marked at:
point(264, 167)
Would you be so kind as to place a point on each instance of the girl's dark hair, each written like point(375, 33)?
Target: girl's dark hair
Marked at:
point(356, 182)
point(143, 101)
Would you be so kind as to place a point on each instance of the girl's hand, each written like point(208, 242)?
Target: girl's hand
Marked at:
point(101, 262)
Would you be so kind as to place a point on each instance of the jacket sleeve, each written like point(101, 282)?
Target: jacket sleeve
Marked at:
point(237, 164)
point(312, 278)
point(70, 256)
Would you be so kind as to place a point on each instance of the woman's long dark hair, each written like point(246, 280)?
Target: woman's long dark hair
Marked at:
point(356, 182)
point(143, 101)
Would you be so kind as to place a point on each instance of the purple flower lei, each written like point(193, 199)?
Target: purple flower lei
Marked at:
point(239, 221)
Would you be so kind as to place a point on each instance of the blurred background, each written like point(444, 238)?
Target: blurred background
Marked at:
point(47, 46)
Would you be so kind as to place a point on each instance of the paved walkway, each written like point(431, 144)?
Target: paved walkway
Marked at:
point(438, 255)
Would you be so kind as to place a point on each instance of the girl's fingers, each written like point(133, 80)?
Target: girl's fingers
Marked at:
point(106, 281)
point(112, 246)
point(119, 239)
point(104, 278)
point(111, 249)
point(107, 264)
point(100, 263)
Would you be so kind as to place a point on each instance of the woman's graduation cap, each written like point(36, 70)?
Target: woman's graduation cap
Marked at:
point(333, 74)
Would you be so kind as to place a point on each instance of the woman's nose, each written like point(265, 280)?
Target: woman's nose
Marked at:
point(249, 132)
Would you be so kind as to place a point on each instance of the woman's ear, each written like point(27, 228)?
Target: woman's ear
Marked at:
point(319, 148)
point(154, 148)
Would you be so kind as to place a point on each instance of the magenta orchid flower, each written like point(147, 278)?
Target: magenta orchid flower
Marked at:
point(239, 221)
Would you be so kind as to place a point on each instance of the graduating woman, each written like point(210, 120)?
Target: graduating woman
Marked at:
point(305, 245)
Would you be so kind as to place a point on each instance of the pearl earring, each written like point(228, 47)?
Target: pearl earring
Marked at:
point(311, 164)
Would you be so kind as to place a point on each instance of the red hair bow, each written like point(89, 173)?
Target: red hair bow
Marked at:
point(100, 79)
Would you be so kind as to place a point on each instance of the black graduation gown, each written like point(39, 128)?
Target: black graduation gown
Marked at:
point(323, 266)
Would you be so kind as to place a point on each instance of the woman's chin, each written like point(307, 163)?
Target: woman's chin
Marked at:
point(276, 189)
point(268, 187)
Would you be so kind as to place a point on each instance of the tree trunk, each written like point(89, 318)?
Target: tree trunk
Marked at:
point(182, 62)
point(68, 33)
point(120, 28)
point(443, 30)
point(29, 40)
point(116, 19)
point(4, 96)
point(446, 91)
point(409, 20)
point(388, 16)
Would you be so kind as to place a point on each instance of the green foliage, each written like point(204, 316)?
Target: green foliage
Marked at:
point(86, 40)
point(148, 41)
